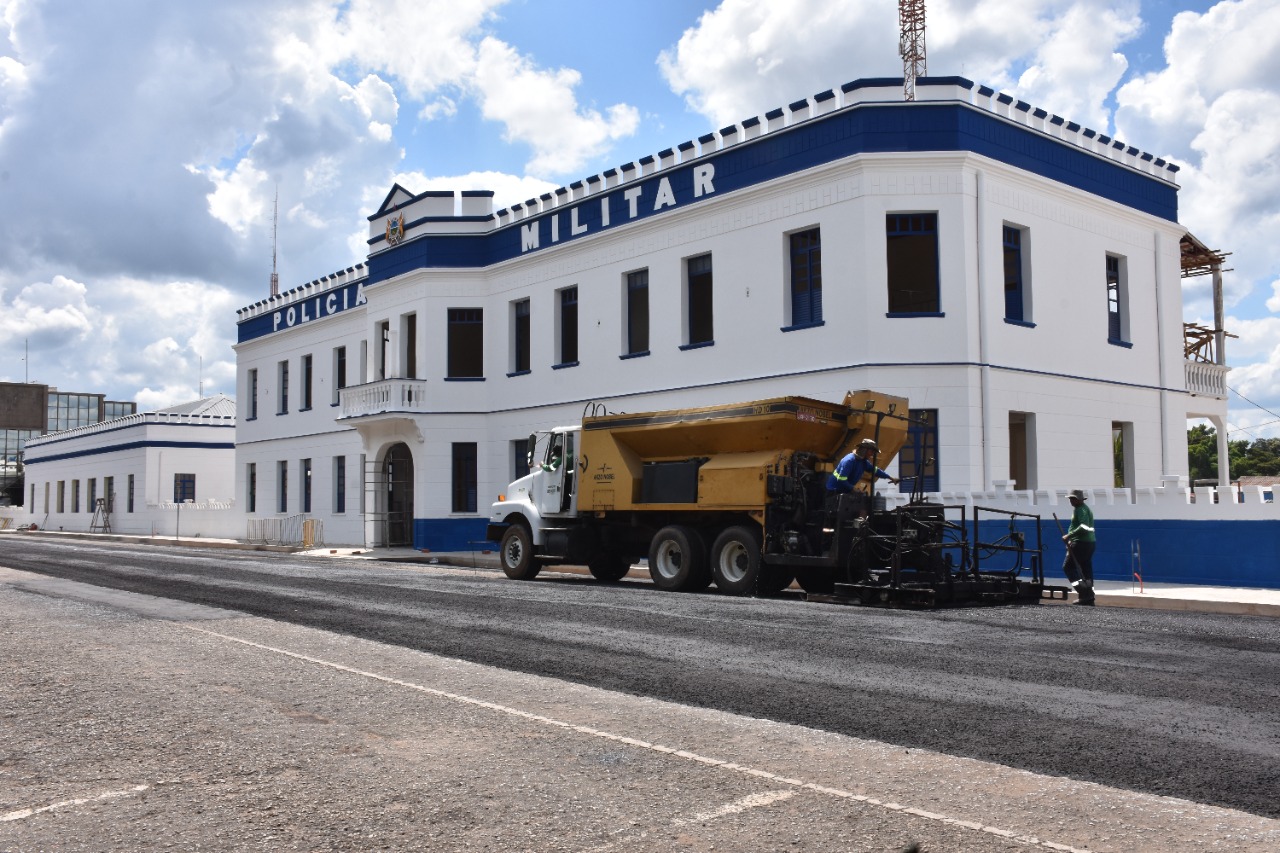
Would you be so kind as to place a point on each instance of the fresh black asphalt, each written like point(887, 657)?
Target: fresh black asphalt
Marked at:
point(1185, 705)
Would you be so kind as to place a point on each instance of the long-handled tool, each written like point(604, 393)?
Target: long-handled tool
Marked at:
point(1071, 554)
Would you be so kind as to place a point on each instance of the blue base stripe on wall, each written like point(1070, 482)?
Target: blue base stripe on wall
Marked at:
point(1211, 553)
point(451, 534)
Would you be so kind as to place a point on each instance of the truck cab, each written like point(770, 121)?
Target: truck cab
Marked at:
point(547, 495)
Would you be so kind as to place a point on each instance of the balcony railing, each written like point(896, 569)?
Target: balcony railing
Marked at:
point(1206, 378)
point(386, 396)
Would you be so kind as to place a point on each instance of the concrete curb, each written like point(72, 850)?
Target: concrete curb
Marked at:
point(1187, 605)
point(160, 540)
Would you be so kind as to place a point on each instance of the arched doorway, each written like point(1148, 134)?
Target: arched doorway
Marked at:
point(397, 475)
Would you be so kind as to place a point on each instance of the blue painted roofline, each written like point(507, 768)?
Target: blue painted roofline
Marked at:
point(873, 128)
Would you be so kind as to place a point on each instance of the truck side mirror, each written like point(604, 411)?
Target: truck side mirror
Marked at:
point(529, 448)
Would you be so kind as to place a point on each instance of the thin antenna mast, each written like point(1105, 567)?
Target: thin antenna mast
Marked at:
point(911, 45)
point(275, 216)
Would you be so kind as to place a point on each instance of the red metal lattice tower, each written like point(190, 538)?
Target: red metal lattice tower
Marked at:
point(911, 45)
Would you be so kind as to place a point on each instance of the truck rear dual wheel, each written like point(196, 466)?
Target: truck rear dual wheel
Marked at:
point(739, 568)
point(678, 559)
point(517, 554)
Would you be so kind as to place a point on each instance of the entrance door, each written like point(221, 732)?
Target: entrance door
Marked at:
point(397, 473)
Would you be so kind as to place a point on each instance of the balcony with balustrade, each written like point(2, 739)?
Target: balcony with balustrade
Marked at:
point(383, 399)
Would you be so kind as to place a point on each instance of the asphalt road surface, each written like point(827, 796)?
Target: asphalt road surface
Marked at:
point(1172, 704)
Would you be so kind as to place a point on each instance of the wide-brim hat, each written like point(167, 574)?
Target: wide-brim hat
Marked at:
point(1078, 494)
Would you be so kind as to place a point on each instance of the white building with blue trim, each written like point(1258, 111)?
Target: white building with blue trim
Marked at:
point(1017, 277)
point(161, 473)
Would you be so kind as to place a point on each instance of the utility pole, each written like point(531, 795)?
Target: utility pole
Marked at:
point(911, 45)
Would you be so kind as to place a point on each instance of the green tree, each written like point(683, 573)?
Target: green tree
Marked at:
point(1202, 452)
point(1259, 458)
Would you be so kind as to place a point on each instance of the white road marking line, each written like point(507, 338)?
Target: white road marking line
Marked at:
point(752, 802)
point(665, 750)
point(109, 795)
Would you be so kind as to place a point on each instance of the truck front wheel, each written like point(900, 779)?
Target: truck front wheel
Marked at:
point(735, 561)
point(517, 554)
point(677, 559)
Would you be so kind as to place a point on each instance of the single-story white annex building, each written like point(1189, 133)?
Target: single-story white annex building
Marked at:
point(159, 473)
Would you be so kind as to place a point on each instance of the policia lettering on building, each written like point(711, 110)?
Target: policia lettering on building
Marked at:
point(1081, 543)
point(851, 469)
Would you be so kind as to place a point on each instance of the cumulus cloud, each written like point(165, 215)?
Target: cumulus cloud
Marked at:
point(747, 56)
point(154, 156)
point(538, 107)
point(50, 314)
point(123, 333)
point(1255, 377)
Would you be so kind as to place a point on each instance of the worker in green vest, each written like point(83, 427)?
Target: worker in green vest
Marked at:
point(1081, 543)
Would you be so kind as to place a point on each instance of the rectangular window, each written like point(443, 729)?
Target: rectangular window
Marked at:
point(806, 277)
point(62, 495)
point(637, 302)
point(253, 394)
point(699, 329)
point(1022, 450)
point(129, 496)
point(307, 375)
point(339, 373)
point(304, 476)
point(409, 324)
point(1122, 453)
point(68, 411)
point(304, 391)
point(466, 343)
point(911, 241)
point(339, 484)
point(184, 488)
point(519, 458)
point(282, 486)
point(251, 487)
point(32, 503)
point(46, 498)
point(113, 409)
point(1016, 307)
point(282, 401)
point(1117, 300)
point(92, 491)
point(109, 493)
point(569, 326)
point(384, 342)
point(75, 495)
point(520, 336)
point(918, 459)
point(464, 476)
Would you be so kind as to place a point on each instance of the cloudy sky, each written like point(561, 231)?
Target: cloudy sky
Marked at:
point(142, 142)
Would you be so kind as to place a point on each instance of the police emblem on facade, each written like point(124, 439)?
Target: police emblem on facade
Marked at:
point(395, 230)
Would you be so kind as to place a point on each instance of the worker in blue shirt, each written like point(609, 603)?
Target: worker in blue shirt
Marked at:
point(851, 468)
